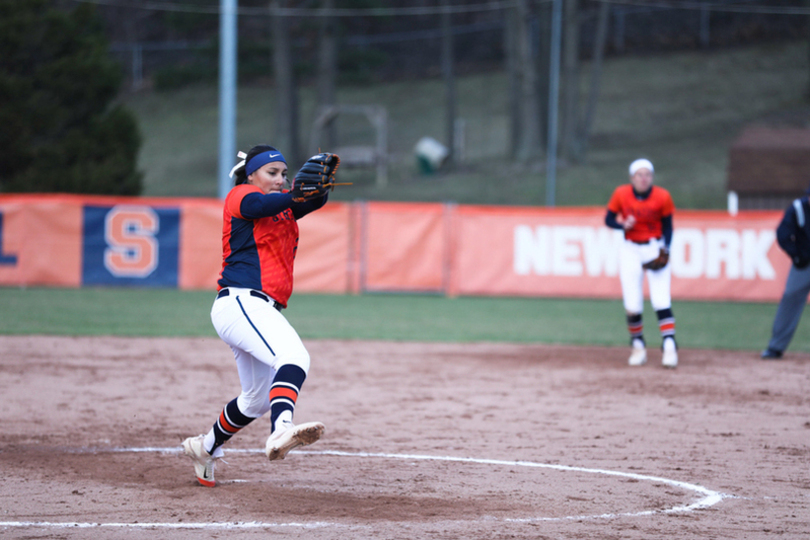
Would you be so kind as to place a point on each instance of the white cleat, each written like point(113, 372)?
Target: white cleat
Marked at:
point(669, 358)
point(638, 357)
point(204, 463)
point(288, 436)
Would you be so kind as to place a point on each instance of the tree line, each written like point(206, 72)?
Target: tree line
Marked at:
point(63, 130)
point(306, 48)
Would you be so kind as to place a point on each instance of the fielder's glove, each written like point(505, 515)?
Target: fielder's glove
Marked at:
point(316, 177)
point(659, 262)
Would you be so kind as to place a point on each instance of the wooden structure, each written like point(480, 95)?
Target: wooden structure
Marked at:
point(359, 156)
point(769, 166)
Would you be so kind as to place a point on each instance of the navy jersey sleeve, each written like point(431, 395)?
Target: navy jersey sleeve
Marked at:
point(303, 208)
point(611, 221)
point(258, 205)
point(666, 230)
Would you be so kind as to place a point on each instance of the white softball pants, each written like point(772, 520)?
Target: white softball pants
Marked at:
point(262, 340)
point(631, 257)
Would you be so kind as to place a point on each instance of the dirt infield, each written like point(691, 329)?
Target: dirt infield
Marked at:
point(422, 441)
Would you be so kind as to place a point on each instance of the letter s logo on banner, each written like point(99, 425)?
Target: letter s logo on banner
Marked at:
point(132, 247)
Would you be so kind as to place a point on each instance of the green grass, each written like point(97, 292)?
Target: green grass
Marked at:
point(169, 312)
point(682, 110)
point(94, 311)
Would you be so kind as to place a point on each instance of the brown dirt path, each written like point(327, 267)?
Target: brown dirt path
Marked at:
point(725, 421)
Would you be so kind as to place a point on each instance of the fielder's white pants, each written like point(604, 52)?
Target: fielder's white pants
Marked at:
point(262, 341)
point(631, 257)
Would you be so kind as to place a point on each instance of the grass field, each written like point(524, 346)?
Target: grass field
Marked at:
point(151, 312)
point(681, 110)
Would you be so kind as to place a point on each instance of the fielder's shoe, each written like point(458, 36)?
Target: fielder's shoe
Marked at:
point(669, 358)
point(288, 436)
point(771, 354)
point(639, 355)
point(204, 462)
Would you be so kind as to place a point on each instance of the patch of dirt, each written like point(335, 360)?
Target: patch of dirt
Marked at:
point(422, 441)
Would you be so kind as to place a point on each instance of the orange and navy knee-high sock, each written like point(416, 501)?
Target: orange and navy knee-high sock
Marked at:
point(666, 323)
point(284, 391)
point(230, 421)
point(636, 327)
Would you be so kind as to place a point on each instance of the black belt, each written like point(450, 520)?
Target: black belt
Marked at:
point(257, 294)
point(644, 243)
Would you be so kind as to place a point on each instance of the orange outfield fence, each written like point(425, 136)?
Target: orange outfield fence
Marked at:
point(74, 241)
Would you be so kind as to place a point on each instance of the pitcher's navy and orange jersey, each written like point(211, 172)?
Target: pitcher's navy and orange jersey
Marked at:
point(257, 253)
point(648, 212)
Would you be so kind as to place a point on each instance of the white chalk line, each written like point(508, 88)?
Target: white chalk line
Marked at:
point(231, 525)
point(709, 497)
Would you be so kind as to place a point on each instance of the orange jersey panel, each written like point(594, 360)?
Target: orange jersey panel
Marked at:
point(258, 254)
point(648, 212)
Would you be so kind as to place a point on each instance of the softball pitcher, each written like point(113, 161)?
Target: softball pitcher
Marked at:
point(259, 242)
point(644, 213)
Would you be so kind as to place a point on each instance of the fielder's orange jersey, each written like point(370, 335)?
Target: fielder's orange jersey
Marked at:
point(648, 212)
point(258, 253)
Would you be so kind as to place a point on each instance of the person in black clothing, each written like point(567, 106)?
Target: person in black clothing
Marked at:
point(793, 235)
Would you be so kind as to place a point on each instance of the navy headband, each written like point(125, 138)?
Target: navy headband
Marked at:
point(260, 160)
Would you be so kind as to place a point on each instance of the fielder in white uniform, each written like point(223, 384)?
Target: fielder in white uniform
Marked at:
point(644, 212)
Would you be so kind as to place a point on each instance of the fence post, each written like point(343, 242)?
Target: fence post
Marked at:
point(705, 15)
point(618, 33)
point(137, 66)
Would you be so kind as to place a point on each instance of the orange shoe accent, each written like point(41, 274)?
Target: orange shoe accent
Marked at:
point(206, 483)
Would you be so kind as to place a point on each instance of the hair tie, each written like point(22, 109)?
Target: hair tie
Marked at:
point(241, 155)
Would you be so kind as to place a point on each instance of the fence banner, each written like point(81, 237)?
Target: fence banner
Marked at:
point(326, 256)
point(534, 252)
point(715, 256)
point(571, 253)
point(70, 241)
point(40, 241)
point(405, 247)
point(200, 259)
